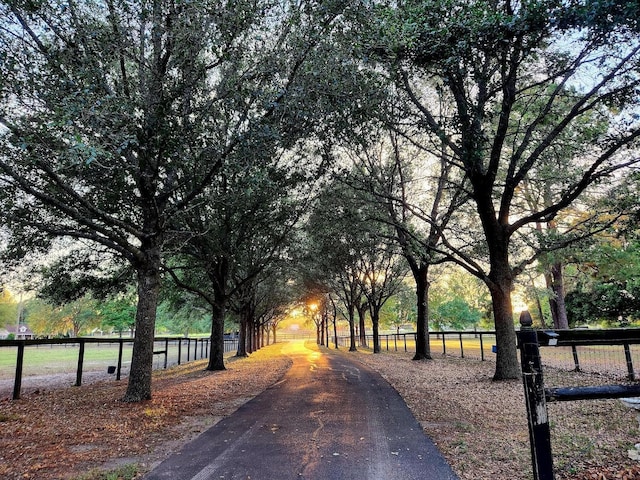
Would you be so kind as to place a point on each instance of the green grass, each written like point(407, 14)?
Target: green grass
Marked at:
point(51, 359)
point(126, 472)
point(46, 359)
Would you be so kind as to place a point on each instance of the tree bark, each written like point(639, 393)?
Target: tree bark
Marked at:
point(558, 307)
point(506, 357)
point(423, 347)
point(375, 321)
point(139, 385)
point(352, 330)
point(242, 338)
point(216, 350)
point(362, 314)
point(318, 332)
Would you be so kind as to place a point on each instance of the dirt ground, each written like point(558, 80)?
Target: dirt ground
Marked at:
point(479, 425)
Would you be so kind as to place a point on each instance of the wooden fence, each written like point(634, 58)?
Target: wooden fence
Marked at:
point(195, 348)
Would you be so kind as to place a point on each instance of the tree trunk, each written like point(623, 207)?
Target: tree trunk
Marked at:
point(326, 327)
point(507, 367)
point(375, 322)
point(352, 330)
point(242, 338)
point(334, 318)
point(499, 281)
point(255, 330)
point(274, 333)
point(249, 335)
point(560, 319)
point(423, 347)
point(139, 385)
point(216, 350)
point(362, 314)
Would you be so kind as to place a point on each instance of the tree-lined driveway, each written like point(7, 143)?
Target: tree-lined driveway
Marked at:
point(328, 418)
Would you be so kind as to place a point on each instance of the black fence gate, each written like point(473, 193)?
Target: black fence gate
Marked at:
point(537, 396)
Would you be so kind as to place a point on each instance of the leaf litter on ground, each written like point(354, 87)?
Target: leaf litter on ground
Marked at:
point(478, 424)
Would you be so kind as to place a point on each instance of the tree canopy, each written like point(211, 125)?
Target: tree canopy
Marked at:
point(117, 115)
point(194, 140)
point(519, 77)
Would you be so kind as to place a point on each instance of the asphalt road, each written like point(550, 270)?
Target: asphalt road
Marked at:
point(328, 418)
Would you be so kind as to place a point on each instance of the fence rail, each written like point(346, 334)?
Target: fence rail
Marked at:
point(537, 396)
point(579, 350)
point(466, 344)
point(167, 351)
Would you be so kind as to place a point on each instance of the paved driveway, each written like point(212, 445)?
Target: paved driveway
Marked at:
point(328, 418)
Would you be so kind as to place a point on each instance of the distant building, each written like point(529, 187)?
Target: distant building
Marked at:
point(21, 332)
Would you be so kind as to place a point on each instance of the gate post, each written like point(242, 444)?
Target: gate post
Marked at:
point(539, 434)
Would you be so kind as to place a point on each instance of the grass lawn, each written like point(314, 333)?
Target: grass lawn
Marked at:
point(44, 359)
point(52, 359)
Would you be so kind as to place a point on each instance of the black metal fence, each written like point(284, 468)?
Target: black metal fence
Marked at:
point(585, 356)
point(537, 396)
point(168, 351)
point(464, 344)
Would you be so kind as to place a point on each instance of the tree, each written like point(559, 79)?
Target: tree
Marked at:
point(43, 318)
point(402, 308)
point(119, 315)
point(117, 115)
point(607, 286)
point(72, 319)
point(384, 272)
point(456, 314)
point(78, 272)
point(398, 166)
point(184, 316)
point(8, 308)
point(240, 230)
point(274, 294)
point(458, 300)
point(341, 232)
point(489, 59)
point(79, 316)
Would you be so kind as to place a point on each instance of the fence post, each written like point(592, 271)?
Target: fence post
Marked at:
point(576, 361)
point(179, 350)
point(461, 347)
point(539, 433)
point(80, 363)
point(481, 348)
point(166, 352)
point(120, 348)
point(627, 355)
point(17, 384)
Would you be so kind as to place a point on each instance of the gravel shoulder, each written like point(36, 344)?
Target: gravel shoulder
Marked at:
point(478, 424)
